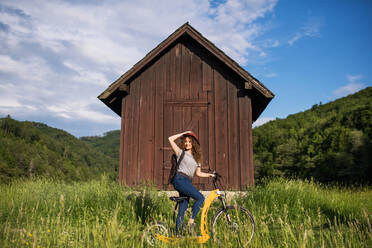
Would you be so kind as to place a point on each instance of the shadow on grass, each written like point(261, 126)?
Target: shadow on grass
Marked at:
point(144, 205)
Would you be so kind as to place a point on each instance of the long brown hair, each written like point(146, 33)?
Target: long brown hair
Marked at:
point(195, 150)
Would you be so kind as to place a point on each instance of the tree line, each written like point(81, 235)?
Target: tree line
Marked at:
point(29, 149)
point(328, 143)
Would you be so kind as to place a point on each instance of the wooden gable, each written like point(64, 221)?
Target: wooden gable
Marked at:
point(114, 93)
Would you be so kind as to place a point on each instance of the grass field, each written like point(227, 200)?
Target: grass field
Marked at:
point(288, 213)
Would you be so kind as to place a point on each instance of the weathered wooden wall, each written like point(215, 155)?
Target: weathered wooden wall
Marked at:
point(186, 89)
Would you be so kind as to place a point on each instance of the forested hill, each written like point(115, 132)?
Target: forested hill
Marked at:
point(109, 143)
point(29, 149)
point(329, 143)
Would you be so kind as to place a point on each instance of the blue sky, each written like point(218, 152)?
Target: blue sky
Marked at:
point(57, 56)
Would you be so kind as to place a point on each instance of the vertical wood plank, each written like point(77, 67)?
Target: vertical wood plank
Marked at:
point(197, 74)
point(185, 73)
point(243, 142)
point(151, 123)
point(146, 127)
point(134, 132)
point(250, 145)
point(233, 136)
point(160, 72)
point(203, 137)
point(122, 133)
point(211, 129)
point(178, 119)
point(196, 91)
point(195, 120)
point(178, 65)
point(128, 139)
point(170, 63)
point(207, 76)
point(168, 123)
point(167, 118)
point(221, 124)
point(187, 118)
point(142, 127)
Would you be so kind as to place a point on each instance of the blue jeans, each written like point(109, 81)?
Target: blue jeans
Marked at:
point(184, 187)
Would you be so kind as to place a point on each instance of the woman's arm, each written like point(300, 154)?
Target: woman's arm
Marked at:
point(199, 173)
point(173, 144)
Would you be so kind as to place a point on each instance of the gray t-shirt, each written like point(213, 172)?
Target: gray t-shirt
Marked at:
point(188, 164)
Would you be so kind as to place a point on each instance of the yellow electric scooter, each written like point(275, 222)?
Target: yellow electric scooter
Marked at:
point(234, 221)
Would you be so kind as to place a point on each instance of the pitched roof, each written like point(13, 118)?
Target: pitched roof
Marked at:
point(264, 94)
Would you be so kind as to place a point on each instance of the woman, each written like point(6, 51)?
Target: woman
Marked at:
point(189, 166)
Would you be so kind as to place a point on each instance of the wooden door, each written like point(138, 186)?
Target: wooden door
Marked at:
point(180, 116)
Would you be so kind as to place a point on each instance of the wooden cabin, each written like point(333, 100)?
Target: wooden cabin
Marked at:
point(186, 83)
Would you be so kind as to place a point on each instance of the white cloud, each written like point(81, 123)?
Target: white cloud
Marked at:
point(271, 75)
point(80, 110)
point(84, 75)
point(275, 43)
point(242, 12)
point(261, 121)
point(9, 103)
point(269, 43)
point(234, 29)
point(352, 87)
point(310, 29)
point(353, 78)
point(348, 89)
point(33, 69)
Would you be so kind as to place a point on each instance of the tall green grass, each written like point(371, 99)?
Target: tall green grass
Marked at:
point(294, 213)
point(289, 213)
